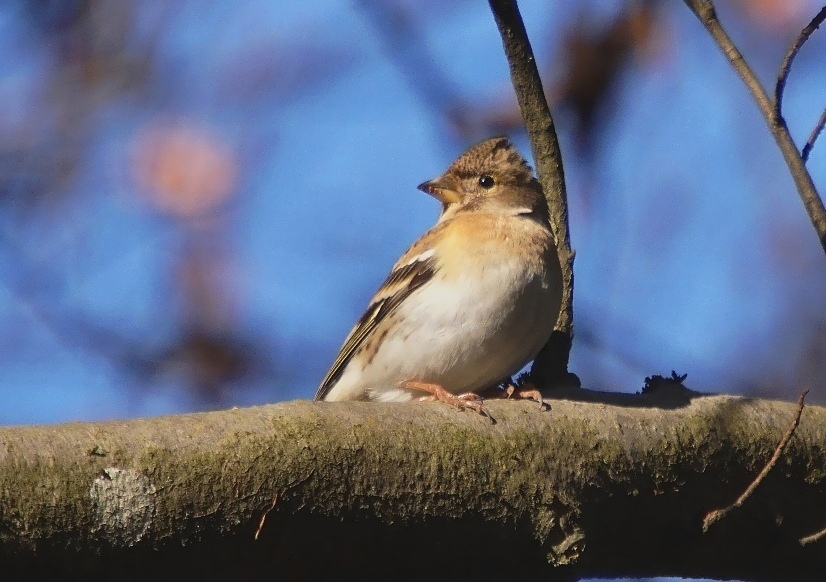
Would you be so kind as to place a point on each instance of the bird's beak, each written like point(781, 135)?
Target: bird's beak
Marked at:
point(442, 189)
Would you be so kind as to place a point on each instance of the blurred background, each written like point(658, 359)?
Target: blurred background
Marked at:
point(197, 199)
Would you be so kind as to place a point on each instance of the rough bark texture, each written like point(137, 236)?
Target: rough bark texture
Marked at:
point(601, 484)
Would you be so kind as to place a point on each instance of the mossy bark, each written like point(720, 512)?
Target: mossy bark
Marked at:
point(600, 485)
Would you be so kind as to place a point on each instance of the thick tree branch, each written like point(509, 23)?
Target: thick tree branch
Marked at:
point(602, 484)
point(552, 362)
point(704, 10)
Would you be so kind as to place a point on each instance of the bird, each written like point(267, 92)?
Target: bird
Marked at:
point(470, 302)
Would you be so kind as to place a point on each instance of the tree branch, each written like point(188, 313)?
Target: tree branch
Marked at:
point(602, 484)
point(552, 362)
point(815, 537)
point(704, 10)
point(810, 143)
point(790, 56)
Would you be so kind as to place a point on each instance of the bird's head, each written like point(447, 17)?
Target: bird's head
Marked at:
point(490, 172)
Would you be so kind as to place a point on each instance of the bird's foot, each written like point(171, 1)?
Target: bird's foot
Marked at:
point(437, 392)
point(527, 391)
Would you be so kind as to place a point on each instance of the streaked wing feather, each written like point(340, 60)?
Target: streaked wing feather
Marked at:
point(403, 281)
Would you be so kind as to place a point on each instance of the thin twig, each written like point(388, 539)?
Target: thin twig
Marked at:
point(813, 538)
point(790, 55)
point(289, 486)
point(704, 9)
point(548, 158)
point(807, 149)
point(718, 514)
point(266, 513)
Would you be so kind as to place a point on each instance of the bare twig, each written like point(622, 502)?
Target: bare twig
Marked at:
point(807, 149)
point(714, 516)
point(266, 513)
point(813, 538)
point(790, 55)
point(704, 10)
point(553, 360)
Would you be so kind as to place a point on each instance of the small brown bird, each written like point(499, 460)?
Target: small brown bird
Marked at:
point(471, 302)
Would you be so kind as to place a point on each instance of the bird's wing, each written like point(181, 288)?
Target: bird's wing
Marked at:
point(410, 273)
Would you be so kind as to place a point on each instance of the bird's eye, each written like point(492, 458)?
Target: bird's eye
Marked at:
point(486, 182)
